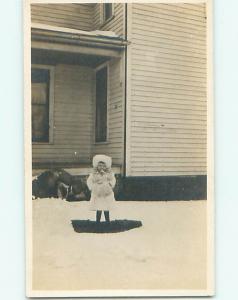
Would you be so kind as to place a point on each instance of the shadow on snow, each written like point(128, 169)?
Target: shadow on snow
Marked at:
point(83, 226)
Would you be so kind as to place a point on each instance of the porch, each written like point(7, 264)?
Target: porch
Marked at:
point(77, 99)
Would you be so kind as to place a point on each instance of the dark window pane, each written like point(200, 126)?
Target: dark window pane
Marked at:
point(39, 93)
point(40, 75)
point(40, 104)
point(107, 11)
point(40, 127)
point(101, 105)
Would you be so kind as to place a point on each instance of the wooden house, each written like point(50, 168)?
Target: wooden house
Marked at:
point(126, 80)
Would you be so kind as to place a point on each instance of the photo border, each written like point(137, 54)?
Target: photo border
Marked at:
point(210, 291)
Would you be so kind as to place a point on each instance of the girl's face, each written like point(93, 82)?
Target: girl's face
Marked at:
point(101, 167)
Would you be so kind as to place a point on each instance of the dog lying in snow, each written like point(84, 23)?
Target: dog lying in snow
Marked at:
point(59, 184)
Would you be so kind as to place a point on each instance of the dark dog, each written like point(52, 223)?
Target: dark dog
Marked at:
point(45, 185)
point(61, 184)
point(76, 190)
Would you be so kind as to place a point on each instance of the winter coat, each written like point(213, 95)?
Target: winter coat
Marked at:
point(101, 186)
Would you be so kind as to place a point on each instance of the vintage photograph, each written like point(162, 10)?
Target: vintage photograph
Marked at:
point(119, 148)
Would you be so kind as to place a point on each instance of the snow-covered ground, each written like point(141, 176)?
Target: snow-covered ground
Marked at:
point(167, 252)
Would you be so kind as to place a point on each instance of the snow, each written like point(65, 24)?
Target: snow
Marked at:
point(167, 252)
point(102, 33)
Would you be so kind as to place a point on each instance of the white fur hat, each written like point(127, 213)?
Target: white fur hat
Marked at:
point(104, 158)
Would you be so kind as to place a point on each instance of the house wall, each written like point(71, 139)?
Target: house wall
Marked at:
point(70, 135)
point(115, 145)
point(166, 105)
point(116, 24)
point(77, 16)
point(72, 115)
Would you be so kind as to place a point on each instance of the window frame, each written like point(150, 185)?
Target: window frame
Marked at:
point(106, 64)
point(103, 20)
point(51, 102)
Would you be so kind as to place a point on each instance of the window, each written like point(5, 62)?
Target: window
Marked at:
point(40, 101)
point(101, 105)
point(107, 11)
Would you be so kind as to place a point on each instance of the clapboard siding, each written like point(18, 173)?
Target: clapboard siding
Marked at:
point(171, 18)
point(116, 24)
point(171, 36)
point(73, 117)
point(77, 16)
point(183, 52)
point(114, 147)
point(167, 112)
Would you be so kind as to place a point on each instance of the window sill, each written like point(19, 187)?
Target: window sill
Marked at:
point(42, 143)
point(102, 143)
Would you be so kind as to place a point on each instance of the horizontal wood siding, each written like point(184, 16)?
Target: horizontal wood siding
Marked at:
point(114, 147)
point(77, 16)
point(116, 24)
point(72, 132)
point(168, 105)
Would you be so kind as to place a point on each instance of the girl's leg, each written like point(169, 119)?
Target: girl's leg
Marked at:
point(98, 216)
point(106, 214)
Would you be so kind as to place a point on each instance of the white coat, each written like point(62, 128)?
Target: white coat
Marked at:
point(101, 187)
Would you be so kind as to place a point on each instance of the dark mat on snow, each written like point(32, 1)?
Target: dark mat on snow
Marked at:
point(83, 226)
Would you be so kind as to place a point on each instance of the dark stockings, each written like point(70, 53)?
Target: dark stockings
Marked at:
point(99, 214)
point(106, 214)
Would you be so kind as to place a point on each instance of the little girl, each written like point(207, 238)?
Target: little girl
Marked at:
point(101, 183)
